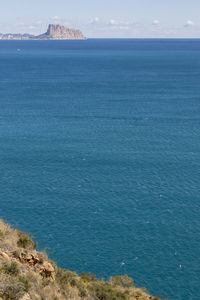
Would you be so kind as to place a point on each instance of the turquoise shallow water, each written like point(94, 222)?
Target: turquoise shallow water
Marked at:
point(99, 156)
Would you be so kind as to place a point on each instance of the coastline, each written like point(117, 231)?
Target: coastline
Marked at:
point(26, 273)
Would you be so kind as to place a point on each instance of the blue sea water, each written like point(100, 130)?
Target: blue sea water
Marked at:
point(100, 156)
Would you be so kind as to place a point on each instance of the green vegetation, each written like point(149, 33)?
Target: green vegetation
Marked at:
point(122, 281)
point(25, 282)
point(65, 277)
point(25, 241)
point(88, 277)
point(105, 291)
point(12, 290)
point(10, 268)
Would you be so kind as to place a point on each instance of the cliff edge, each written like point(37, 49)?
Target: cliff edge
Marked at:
point(26, 273)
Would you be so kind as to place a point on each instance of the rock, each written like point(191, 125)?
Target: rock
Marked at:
point(58, 32)
point(29, 258)
point(4, 255)
point(32, 260)
point(47, 270)
point(26, 297)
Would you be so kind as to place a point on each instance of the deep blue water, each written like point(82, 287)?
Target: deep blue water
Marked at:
point(100, 156)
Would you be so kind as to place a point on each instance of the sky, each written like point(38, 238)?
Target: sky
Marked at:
point(104, 18)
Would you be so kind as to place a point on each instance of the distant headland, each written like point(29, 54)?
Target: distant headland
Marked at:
point(54, 32)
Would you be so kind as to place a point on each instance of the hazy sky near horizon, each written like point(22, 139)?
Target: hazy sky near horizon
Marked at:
point(104, 18)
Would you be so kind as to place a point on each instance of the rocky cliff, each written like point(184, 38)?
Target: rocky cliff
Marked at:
point(54, 32)
point(26, 274)
point(62, 32)
point(58, 32)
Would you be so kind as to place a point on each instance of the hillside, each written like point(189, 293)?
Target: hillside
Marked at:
point(26, 273)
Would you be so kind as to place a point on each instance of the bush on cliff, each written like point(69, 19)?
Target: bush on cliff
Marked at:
point(25, 241)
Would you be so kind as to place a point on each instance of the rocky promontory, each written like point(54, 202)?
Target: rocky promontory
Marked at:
point(54, 32)
point(28, 274)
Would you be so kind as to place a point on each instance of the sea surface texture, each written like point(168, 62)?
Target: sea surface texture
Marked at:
point(100, 156)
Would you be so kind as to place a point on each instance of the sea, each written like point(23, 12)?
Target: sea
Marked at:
point(100, 156)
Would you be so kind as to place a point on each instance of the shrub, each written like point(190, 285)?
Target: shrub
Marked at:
point(10, 268)
point(88, 277)
point(25, 241)
point(42, 257)
point(12, 291)
point(25, 282)
point(64, 277)
point(85, 277)
point(123, 281)
point(105, 291)
point(45, 281)
point(1, 236)
point(81, 289)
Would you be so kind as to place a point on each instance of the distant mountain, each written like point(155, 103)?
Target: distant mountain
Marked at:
point(54, 32)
